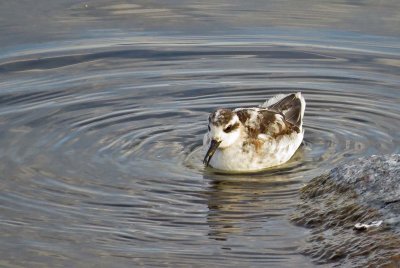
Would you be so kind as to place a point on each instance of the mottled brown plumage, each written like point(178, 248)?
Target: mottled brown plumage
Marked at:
point(253, 138)
point(221, 117)
point(267, 122)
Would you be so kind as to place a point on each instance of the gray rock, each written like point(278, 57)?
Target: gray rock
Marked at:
point(361, 191)
point(376, 180)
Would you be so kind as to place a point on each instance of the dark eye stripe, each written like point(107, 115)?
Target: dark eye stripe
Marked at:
point(231, 127)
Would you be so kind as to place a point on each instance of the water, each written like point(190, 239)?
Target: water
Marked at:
point(103, 108)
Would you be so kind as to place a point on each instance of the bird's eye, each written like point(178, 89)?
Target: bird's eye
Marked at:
point(209, 129)
point(228, 129)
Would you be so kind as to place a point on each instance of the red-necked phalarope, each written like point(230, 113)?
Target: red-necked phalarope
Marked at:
point(250, 139)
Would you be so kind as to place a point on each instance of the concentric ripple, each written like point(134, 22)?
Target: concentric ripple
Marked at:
point(101, 149)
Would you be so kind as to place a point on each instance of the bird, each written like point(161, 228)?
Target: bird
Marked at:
point(254, 139)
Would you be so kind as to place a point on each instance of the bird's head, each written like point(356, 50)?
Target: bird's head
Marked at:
point(223, 131)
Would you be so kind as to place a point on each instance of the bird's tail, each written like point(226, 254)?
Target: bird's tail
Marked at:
point(292, 106)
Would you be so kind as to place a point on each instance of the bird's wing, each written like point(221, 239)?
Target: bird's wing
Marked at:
point(292, 106)
point(259, 121)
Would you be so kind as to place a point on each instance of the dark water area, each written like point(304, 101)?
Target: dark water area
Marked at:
point(103, 106)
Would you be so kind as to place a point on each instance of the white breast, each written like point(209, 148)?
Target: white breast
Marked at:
point(274, 152)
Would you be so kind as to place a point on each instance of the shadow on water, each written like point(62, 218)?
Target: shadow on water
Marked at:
point(240, 207)
point(63, 61)
point(245, 208)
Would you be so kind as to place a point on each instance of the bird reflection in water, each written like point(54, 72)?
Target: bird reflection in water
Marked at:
point(241, 206)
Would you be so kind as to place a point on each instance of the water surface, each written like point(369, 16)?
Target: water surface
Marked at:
point(103, 108)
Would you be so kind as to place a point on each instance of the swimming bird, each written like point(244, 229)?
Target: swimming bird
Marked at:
point(252, 139)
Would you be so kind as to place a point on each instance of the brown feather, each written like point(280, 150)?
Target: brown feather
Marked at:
point(290, 107)
point(224, 116)
point(270, 123)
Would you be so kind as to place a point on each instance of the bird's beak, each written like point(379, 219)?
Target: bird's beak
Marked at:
point(213, 147)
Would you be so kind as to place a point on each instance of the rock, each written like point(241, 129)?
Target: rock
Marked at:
point(361, 191)
point(376, 180)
